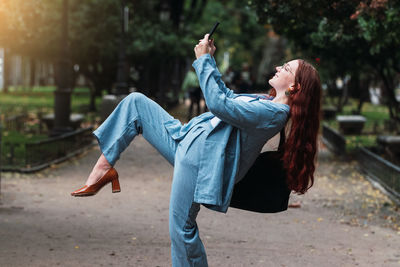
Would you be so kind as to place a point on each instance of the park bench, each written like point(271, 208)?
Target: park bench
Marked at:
point(390, 144)
point(351, 124)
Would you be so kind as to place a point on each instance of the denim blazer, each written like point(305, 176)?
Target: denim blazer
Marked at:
point(235, 142)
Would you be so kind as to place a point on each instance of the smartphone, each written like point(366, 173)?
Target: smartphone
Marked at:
point(213, 30)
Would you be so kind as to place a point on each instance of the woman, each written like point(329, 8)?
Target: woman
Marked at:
point(215, 149)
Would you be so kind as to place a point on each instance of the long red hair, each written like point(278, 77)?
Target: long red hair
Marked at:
point(301, 143)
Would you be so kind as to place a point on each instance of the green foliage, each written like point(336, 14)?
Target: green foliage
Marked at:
point(354, 37)
point(317, 29)
point(34, 28)
point(27, 27)
point(240, 32)
point(379, 27)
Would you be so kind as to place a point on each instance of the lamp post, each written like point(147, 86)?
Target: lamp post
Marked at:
point(62, 96)
point(121, 87)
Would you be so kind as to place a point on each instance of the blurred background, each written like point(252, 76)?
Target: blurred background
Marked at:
point(65, 64)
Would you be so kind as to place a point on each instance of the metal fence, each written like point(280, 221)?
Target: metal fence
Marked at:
point(333, 140)
point(38, 155)
point(15, 122)
point(380, 170)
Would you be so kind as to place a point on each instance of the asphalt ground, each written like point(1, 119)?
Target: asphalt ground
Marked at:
point(342, 221)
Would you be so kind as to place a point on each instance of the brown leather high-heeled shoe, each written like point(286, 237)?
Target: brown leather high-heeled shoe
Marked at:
point(91, 190)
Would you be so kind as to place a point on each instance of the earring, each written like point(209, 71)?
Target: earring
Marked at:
point(287, 92)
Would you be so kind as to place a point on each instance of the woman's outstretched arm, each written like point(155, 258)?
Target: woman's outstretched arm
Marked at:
point(207, 47)
point(241, 114)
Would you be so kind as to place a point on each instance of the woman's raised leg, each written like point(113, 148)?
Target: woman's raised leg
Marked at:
point(135, 114)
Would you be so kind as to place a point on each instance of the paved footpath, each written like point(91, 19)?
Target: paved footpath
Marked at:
point(342, 221)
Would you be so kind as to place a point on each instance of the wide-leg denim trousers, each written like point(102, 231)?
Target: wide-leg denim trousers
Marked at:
point(137, 114)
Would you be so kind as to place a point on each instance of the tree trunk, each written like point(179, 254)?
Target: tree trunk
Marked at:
point(32, 73)
point(360, 105)
point(394, 106)
point(332, 92)
point(162, 85)
point(176, 8)
point(363, 95)
point(92, 104)
point(95, 87)
point(354, 89)
point(345, 96)
point(6, 70)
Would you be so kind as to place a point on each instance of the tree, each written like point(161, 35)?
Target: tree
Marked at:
point(26, 28)
point(347, 36)
point(160, 39)
point(94, 33)
point(379, 22)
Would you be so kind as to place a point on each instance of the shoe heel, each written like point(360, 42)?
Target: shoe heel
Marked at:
point(115, 186)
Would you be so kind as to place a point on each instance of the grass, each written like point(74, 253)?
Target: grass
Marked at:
point(32, 101)
point(355, 141)
point(42, 89)
point(17, 137)
point(13, 145)
point(376, 116)
point(42, 99)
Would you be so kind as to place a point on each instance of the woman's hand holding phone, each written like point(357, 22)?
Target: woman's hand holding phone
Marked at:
point(206, 45)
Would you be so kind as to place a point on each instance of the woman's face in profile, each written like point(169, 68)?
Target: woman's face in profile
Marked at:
point(284, 76)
